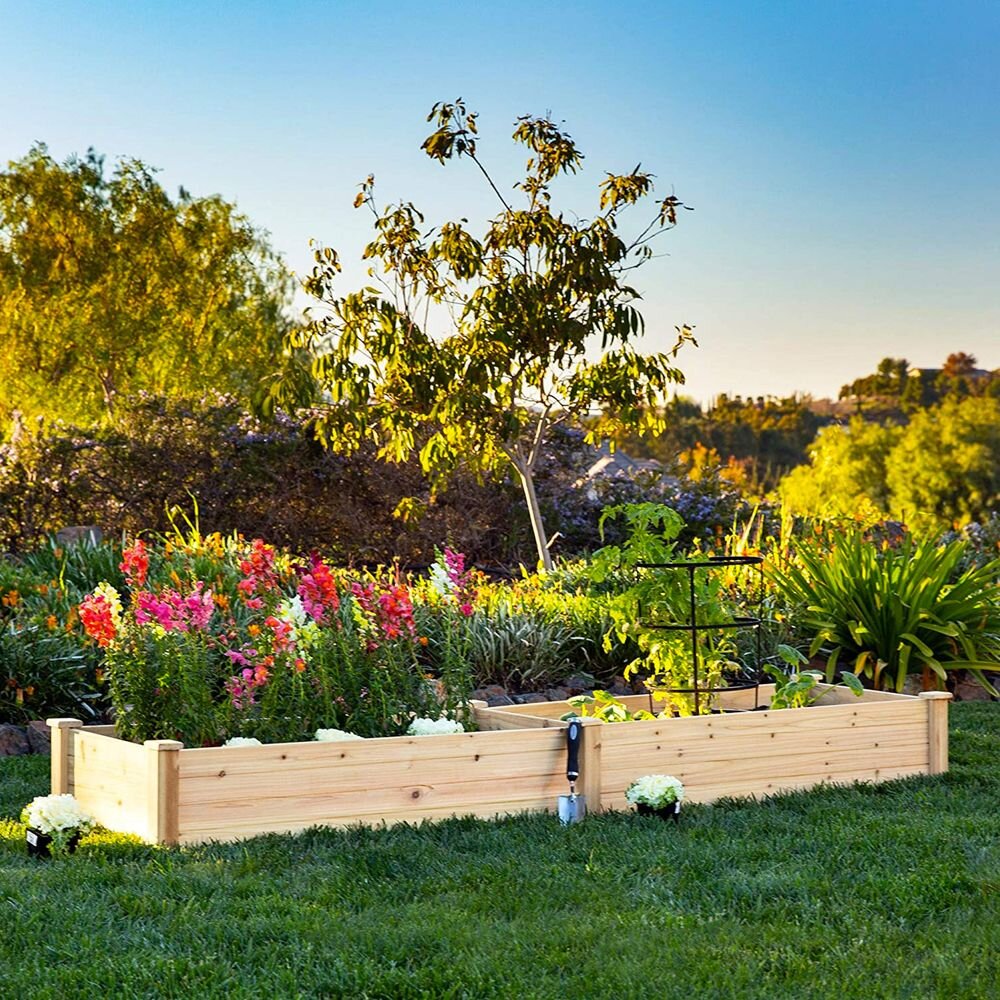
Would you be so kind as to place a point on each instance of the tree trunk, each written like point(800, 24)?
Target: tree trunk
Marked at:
point(535, 516)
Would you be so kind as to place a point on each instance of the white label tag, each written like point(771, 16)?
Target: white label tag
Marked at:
point(32, 838)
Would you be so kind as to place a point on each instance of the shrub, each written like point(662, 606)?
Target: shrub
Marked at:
point(891, 609)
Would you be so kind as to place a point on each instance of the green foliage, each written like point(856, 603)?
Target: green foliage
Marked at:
point(263, 479)
point(44, 673)
point(889, 611)
point(522, 306)
point(606, 707)
point(945, 469)
point(799, 689)
point(940, 470)
point(524, 907)
point(108, 287)
point(648, 597)
point(846, 474)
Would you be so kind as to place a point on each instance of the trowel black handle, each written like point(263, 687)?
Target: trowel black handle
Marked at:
point(573, 734)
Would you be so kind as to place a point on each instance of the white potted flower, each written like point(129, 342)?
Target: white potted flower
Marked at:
point(434, 727)
point(55, 824)
point(656, 795)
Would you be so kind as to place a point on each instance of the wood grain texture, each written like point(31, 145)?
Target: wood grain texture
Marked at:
point(239, 791)
point(518, 763)
point(110, 781)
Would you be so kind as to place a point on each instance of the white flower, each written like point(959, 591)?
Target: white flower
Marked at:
point(242, 741)
point(335, 735)
point(655, 790)
point(53, 814)
point(441, 583)
point(434, 727)
point(292, 612)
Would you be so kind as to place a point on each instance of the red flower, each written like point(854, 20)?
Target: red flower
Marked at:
point(135, 563)
point(95, 614)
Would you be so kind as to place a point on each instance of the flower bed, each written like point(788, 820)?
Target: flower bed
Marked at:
point(841, 738)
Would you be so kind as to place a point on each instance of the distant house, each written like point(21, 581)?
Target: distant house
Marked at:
point(610, 464)
point(930, 374)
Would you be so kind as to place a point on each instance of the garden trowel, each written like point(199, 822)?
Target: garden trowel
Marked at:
point(572, 807)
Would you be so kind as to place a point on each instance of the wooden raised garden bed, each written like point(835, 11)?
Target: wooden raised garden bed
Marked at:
point(166, 793)
point(842, 738)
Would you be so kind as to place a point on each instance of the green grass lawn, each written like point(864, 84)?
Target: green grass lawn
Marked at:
point(879, 891)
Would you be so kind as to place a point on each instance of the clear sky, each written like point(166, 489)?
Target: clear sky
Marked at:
point(843, 158)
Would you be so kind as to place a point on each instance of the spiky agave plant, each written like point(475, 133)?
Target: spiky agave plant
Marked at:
point(892, 610)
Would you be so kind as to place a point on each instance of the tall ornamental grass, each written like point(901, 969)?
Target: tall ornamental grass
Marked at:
point(889, 609)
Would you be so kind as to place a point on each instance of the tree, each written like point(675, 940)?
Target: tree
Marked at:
point(946, 468)
point(846, 476)
point(108, 287)
point(474, 348)
point(889, 381)
point(959, 363)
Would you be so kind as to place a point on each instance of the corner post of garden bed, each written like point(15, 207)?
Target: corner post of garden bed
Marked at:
point(937, 729)
point(162, 790)
point(590, 762)
point(60, 732)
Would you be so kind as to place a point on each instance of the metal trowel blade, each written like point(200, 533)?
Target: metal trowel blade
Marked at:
point(572, 808)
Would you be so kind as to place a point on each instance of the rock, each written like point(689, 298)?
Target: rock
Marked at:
point(88, 534)
point(620, 687)
point(13, 742)
point(39, 737)
point(579, 683)
point(534, 698)
point(493, 695)
point(557, 694)
point(967, 688)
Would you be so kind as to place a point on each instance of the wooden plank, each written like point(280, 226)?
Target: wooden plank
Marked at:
point(221, 807)
point(250, 827)
point(109, 781)
point(497, 719)
point(843, 763)
point(937, 729)
point(101, 730)
point(870, 741)
point(327, 776)
point(761, 724)
point(399, 750)
point(162, 791)
point(773, 785)
point(230, 792)
point(61, 754)
point(728, 701)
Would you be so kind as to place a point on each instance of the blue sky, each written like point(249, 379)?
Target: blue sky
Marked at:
point(843, 159)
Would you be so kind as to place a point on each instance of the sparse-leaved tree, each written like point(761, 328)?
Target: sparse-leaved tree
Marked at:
point(473, 347)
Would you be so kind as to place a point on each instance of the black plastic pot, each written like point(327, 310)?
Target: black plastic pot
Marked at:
point(40, 844)
point(668, 812)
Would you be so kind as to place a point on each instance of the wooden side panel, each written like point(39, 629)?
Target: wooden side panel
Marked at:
point(761, 753)
point(495, 719)
point(235, 792)
point(109, 781)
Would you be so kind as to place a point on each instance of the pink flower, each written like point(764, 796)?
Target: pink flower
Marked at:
point(318, 590)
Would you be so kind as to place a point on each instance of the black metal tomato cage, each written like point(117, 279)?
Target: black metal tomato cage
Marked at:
point(695, 627)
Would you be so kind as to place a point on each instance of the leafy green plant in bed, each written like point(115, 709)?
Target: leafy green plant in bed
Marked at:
point(649, 597)
point(798, 688)
point(889, 610)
